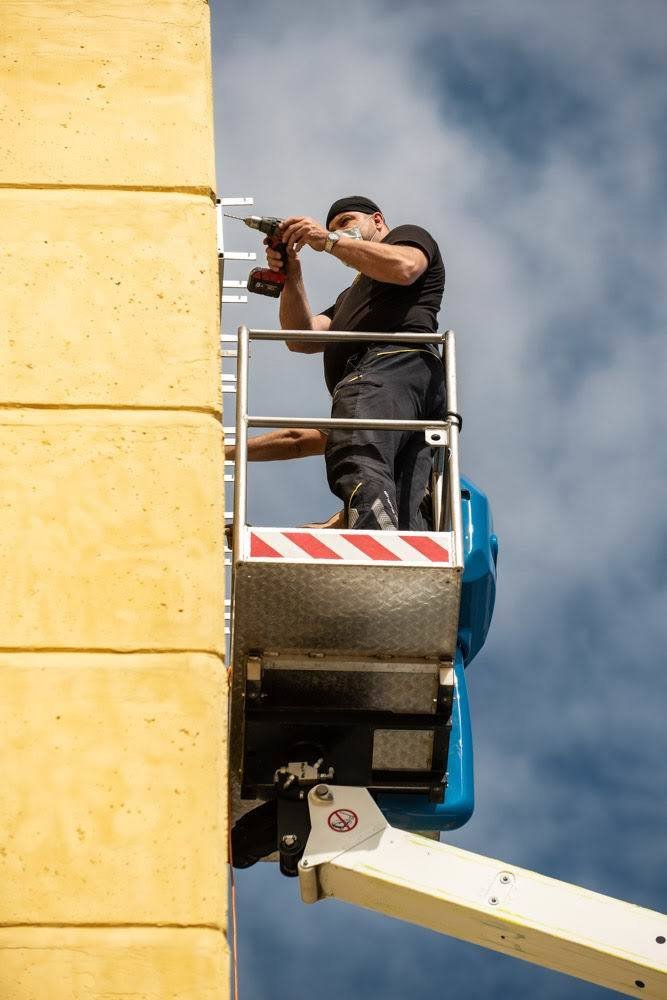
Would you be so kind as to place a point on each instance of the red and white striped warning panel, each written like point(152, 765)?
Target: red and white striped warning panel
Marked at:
point(328, 545)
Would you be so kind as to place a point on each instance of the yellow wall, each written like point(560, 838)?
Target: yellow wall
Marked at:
point(112, 687)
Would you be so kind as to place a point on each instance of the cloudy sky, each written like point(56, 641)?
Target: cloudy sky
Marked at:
point(528, 137)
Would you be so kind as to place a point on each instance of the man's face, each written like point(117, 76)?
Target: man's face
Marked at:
point(348, 220)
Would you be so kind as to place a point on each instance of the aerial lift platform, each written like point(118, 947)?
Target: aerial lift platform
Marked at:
point(347, 647)
point(350, 725)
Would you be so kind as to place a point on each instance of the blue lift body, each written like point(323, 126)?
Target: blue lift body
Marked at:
point(478, 592)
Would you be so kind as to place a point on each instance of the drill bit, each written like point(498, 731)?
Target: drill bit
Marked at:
point(253, 221)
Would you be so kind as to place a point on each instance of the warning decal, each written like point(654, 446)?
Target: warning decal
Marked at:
point(422, 547)
point(342, 820)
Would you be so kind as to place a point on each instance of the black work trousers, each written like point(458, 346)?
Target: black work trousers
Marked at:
point(381, 476)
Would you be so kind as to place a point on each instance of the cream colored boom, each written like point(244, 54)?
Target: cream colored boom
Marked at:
point(354, 855)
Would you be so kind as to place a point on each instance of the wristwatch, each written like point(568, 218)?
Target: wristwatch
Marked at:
point(331, 241)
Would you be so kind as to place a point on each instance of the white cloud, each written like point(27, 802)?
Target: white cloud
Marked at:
point(554, 264)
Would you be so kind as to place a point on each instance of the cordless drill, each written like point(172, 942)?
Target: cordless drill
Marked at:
point(262, 280)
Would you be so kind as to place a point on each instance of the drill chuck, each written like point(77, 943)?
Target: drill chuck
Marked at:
point(264, 223)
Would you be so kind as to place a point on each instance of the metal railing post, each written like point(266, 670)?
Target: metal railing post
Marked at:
point(454, 475)
point(438, 473)
point(338, 336)
point(241, 455)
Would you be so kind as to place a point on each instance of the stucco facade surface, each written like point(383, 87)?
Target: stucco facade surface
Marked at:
point(112, 964)
point(108, 298)
point(106, 93)
point(113, 688)
point(111, 530)
point(122, 826)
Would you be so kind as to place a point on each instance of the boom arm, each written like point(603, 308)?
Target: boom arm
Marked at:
point(354, 855)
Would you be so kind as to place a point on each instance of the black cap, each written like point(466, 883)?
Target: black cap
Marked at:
point(353, 203)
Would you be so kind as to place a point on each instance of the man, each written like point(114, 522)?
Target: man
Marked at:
point(381, 476)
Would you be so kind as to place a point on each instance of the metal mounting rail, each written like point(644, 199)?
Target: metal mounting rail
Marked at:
point(228, 356)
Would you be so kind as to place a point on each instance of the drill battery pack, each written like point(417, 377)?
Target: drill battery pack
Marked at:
point(264, 281)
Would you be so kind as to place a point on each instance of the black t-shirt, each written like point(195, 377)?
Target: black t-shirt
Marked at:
point(382, 307)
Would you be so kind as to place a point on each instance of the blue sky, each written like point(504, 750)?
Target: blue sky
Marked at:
point(528, 137)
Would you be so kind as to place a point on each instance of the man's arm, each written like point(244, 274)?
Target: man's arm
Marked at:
point(393, 263)
point(277, 446)
point(295, 312)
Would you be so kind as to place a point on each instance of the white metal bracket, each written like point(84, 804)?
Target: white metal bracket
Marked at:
point(224, 255)
point(354, 855)
point(436, 437)
point(231, 202)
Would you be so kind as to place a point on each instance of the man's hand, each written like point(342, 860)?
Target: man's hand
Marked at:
point(274, 260)
point(299, 231)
